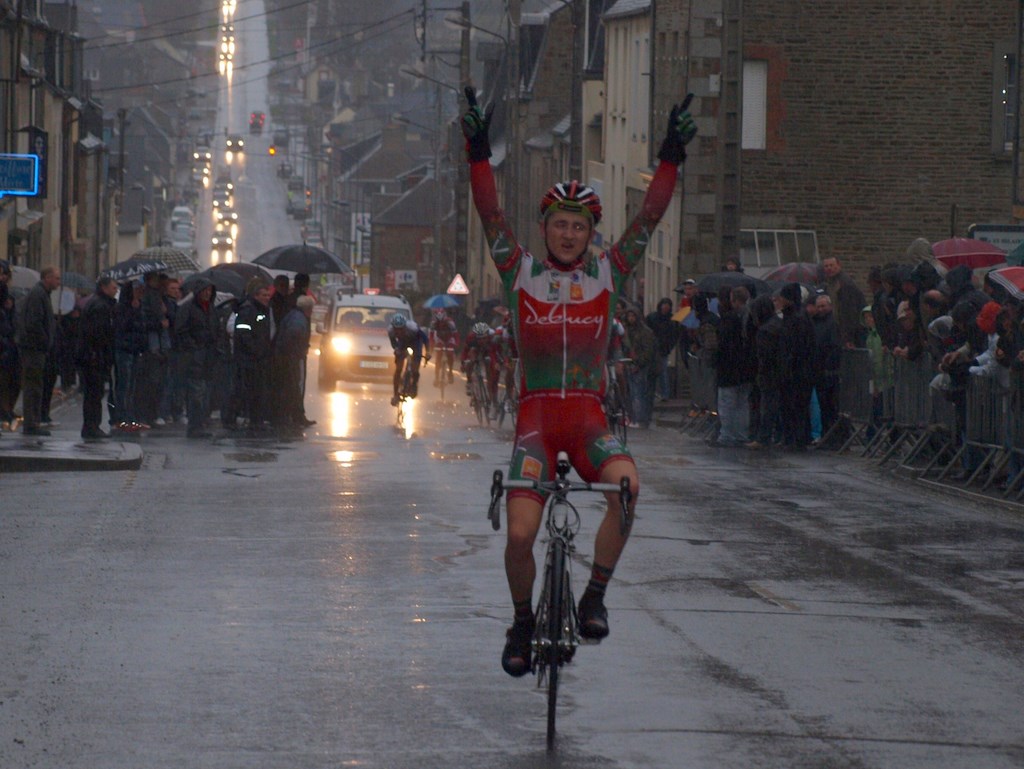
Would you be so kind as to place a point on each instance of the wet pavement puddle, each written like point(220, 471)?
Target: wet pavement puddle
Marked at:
point(454, 456)
point(252, 456)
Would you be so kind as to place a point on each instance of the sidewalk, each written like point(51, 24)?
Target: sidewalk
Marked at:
point(64, 450)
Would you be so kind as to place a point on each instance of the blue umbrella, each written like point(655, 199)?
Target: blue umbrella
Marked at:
point(441, 302)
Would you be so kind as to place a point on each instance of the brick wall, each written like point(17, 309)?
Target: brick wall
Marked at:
point(879, 122)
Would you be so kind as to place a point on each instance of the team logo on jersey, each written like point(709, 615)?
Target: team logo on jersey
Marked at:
point(576, 291)
point(554, 290)
point(531, 468)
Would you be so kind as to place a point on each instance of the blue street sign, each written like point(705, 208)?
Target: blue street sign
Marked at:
point(19, 175)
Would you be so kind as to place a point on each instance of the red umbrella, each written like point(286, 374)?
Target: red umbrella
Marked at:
point(796, 272)
point(976, 254)
point(1010, 278)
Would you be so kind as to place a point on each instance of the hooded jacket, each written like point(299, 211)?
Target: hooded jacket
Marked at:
point(196, 328)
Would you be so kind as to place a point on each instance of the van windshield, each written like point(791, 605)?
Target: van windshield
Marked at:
point(362, 318)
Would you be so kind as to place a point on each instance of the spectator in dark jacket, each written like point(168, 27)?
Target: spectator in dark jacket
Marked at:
point(796, 359)
point(736, 366)
point(10, 368)
point(129, 345)
point(666, 335)
point(291, 345)
point(827, 355)
point(35, 333)
point(280, 300)
point(769, 375)
point(196, 329)
point(96, 355)
point(253, 350)
point(172, 399)
point(642, 372)
point(847, 302)
point(153, 364)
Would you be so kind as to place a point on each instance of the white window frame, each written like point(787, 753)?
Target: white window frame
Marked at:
point(755, 105)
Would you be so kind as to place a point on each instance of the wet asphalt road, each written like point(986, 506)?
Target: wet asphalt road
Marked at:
point(340, 601)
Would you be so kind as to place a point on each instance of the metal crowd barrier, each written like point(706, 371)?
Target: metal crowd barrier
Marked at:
point(923, 420)
point(985, 430)
point(853, 400)
point(1015, 425)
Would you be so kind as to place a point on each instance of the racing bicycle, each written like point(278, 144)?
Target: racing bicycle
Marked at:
point(442, 370)
point(478, 395)
point(616, 401)
point(557, 627)
point(408, 389)
point(508, 401)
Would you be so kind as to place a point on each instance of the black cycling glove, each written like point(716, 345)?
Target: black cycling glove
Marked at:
point(475, 126)
point(681, 130)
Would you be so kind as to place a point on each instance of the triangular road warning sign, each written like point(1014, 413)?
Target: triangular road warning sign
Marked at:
point(458, 286)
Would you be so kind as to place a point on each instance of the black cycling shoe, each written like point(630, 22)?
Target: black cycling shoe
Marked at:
point(516, 657)
point(593, 617)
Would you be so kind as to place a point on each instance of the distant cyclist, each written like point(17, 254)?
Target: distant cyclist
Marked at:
point(406, 335)
point(562, 305)
point(479, 351)
point(444, 338)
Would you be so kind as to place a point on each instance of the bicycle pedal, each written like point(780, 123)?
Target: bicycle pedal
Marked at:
point(589, 641)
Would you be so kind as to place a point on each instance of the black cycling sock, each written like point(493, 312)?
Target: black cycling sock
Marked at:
point(600, 576)
point(523, 610)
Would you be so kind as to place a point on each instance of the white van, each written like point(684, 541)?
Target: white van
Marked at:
point(354, 342)
point(182, 216)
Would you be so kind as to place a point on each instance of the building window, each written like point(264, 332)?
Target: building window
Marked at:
point(755, 104)
point(1004, 97)
point(770, 248)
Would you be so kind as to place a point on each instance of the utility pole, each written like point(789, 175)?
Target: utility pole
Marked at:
point(576, 107)
point(459, 162)
point(512, 191)
point(122, 113)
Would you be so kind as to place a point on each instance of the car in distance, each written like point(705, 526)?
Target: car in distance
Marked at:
point(256, 121)
point(354, 344)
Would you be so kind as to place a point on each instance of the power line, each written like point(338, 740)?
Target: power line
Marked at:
point(334, 41)
point(167, 35)
point(235, 83)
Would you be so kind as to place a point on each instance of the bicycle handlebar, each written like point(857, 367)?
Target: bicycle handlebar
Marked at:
point(498, 485)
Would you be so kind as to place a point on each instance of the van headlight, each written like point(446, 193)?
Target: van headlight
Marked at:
point(341, 344)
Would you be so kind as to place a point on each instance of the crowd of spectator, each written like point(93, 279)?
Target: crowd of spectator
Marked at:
point(156, 356)
point(773, 361)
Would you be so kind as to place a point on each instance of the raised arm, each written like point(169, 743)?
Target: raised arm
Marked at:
point(629, 250)
point(505, 249)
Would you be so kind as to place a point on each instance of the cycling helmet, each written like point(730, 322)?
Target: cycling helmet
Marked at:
point(574, 197)
point(398, 321)
point(481, 329)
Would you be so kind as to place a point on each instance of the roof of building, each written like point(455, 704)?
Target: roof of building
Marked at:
point(625, 8)
point(416, 208)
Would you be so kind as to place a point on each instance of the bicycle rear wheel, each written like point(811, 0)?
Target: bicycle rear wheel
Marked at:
point(556, 615)
point(478, 400)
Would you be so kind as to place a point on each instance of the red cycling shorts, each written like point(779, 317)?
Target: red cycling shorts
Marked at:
point(548, 423)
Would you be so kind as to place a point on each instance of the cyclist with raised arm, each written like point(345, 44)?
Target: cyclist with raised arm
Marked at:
point(406, 335)
point(562, 306)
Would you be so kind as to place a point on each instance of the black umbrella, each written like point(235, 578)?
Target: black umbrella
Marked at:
point(303, 258)
point(224, 281)
point(135, 266)
point(245, 270)
point(713, 283)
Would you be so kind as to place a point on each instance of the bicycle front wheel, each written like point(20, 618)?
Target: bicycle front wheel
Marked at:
point(556, 613)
